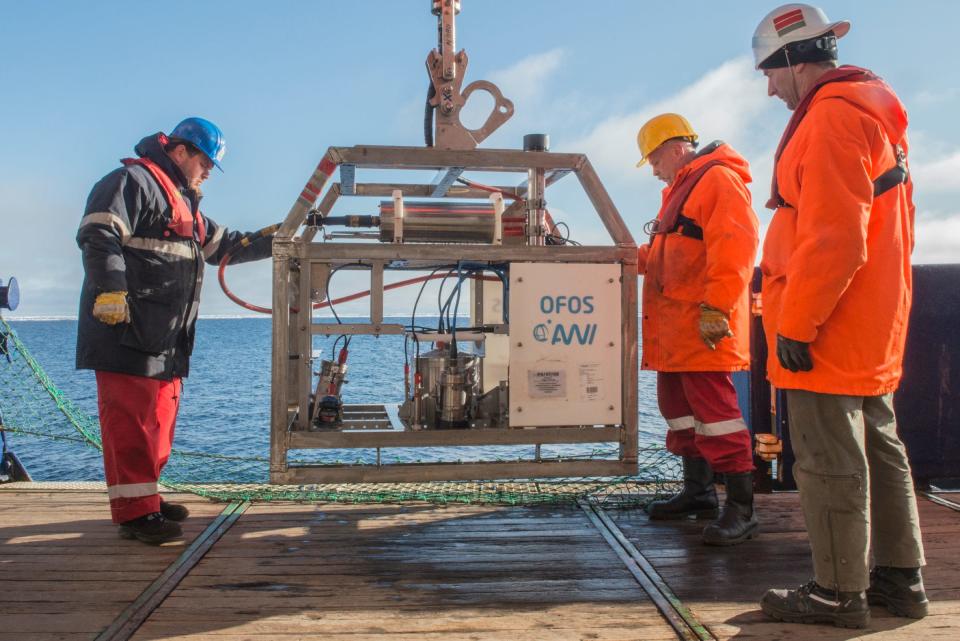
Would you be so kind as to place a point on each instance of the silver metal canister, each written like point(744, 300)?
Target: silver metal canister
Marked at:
point(439, 222)
point(455, 394)
point(333, 374)
point(450, 385)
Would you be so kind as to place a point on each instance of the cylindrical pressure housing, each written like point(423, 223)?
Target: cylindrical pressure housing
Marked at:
point(454, 395)
point(536, 229)
point(439, 222)
point(449, 384)
point(331, 378)
point(431, 364)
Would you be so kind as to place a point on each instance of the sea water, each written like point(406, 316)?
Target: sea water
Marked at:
point(225, 407)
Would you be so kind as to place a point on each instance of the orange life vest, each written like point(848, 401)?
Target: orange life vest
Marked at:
point(182, 220)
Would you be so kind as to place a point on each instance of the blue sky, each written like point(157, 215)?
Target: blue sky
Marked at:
point(82, 82)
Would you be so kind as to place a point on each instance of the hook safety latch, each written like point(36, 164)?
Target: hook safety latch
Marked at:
point(447, 99)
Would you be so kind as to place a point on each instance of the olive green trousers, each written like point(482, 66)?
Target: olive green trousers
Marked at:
point(856, 491)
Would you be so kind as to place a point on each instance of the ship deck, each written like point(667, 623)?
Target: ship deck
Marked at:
point(285, 571)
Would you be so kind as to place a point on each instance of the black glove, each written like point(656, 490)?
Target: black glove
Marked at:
point(794, 355)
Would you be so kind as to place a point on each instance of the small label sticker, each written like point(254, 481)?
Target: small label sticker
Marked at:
point(591, 382)
point(547, 383)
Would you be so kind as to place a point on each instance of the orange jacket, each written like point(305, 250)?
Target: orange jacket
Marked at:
point(682, 272)
point(836, 260)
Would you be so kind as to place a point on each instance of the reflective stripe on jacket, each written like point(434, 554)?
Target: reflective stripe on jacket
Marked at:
point(681, 272)
point(836, 261)
point(128, 245)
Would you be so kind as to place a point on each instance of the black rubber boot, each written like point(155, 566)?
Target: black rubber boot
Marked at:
point(173, 511)
point(900, 590)
point(813, 603)
point(698, 497)
point(152, 528)
point(737, 522)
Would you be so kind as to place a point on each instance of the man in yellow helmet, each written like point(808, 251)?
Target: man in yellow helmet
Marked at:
point(697, 268)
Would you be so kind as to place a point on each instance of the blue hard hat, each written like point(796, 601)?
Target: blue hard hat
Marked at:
point(204, 135)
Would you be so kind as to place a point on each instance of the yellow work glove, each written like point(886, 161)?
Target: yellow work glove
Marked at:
point(769, 447)
point(111, 308)
point(713, 325)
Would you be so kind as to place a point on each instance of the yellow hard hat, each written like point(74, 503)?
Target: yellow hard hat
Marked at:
point(659, 130)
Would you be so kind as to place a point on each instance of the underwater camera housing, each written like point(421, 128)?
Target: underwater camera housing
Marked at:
point(547, 358)
point(549, 355)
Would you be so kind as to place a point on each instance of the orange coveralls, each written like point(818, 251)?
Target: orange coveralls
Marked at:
point(694, 387)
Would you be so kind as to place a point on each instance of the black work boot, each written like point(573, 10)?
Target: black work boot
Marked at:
point(173, 511)
point(813, 603)
point(152, 528)
point(697, 498)
point(900, 590)
point(737, 522)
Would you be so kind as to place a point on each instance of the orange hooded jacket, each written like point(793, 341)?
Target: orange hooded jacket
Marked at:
point(836, 260)
point(681, 272)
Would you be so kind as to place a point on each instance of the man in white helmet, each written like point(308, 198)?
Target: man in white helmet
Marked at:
point(836, 299)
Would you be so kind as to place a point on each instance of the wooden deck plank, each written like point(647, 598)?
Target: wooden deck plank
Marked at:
point(65, 571)
point(553, 634)
point(723, 585)
point(290, 571)
point(418, 572)
point(44, 636)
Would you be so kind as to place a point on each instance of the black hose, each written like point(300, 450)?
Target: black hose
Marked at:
point(428, 116)
point(352, 220)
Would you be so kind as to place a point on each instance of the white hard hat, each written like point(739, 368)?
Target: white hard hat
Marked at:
point(792, 23)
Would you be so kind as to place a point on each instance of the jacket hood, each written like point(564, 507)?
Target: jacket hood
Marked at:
point(718, 150)
point(874, 97)
point(151, 147)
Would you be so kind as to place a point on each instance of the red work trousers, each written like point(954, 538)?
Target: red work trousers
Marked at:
point(137, 419)
point(704, 420)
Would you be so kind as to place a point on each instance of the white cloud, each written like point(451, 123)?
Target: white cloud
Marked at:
point(524, 81)
point(937, 238)
point(929, 97)
point(939, 175)
point(727, 102)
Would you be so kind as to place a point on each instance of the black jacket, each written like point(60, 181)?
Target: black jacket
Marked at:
point(127, 246)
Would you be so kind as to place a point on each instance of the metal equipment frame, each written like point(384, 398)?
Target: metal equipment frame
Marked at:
point(300, 264)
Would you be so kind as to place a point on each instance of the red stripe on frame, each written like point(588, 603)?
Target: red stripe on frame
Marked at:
point(327, 166)
point(436, 210)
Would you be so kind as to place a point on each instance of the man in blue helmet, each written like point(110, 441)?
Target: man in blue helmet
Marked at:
point(144, 243)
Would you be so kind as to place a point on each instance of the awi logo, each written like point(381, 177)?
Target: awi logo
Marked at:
point(583, 334)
